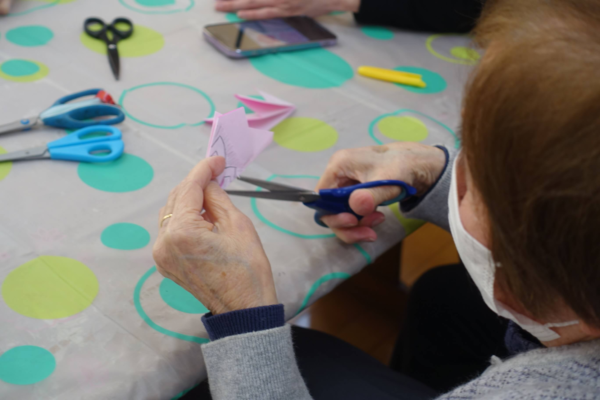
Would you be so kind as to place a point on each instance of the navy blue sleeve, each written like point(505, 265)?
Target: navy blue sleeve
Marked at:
point(445, 16)
point(243, 321)
point(412, 202)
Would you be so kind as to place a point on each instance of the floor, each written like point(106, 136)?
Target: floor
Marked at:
point(366, 310)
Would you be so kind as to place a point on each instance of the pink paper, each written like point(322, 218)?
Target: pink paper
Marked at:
point(232, 138)
point(267, 113)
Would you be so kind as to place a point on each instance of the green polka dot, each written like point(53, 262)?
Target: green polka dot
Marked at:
point(30, 36)
point(313, 68)
point(465, 53)
point(155, 3)
point(26, 365)
point(180, 299)
point(377, 32)
point(435, 82)
point(125, 236)
point(18, 70)
point(143, 42)
point(5, 167)
point(125, 174)
point(232, 17)
point(305, 134)
point(50, 287)
point(337, 13)
point(406, 129)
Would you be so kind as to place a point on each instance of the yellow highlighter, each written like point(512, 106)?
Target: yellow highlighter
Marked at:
point(390, 75)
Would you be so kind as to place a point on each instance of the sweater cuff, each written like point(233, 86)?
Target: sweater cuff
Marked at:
point(243, 321)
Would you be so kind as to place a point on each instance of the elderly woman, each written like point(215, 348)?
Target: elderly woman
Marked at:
point(522, 200)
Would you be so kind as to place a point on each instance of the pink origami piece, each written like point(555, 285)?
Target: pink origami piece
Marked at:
point(267, 113)
point(232, 138)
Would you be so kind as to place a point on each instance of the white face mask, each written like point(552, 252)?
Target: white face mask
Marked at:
point(478, 261)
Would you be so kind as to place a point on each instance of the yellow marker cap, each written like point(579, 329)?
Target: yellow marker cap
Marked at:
point(390, 75)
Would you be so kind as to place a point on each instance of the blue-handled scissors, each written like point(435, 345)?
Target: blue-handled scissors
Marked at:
point(326, 201)
point(92, 144)
point(67, 114)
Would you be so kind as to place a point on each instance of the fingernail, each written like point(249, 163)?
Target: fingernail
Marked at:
point(378, 221)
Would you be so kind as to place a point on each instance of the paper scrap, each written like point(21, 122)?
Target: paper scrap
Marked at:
point(233, 138)
point(267, 113)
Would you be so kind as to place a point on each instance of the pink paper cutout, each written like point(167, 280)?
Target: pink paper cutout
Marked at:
point(232, 138)
point(267, 113)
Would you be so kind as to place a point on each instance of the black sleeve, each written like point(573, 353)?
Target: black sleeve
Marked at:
point(445, 16)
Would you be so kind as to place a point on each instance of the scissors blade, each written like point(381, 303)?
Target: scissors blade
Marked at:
point(275, 187)
point(34, 153)
point(303, 197)
point(113, 59)
point(17, 126)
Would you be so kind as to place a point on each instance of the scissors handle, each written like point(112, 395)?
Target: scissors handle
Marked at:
point(121, 28)
point(89, 145)
point(83, 117)
point(75, 96)
point(336, 201)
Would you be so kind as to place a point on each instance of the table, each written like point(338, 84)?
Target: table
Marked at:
point(85, 315)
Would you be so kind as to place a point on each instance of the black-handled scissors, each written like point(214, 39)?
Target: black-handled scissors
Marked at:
point(119, 29)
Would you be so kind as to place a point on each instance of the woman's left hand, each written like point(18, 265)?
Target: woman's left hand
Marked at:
point(215, 255)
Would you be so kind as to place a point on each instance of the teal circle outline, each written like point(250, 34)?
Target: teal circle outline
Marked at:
point(270, 224)
point(38, 28)
point(173, 301)
point(404, 110)
point(270, 64)
point(377, 32)
point(40, 7)
point(421, 71)
point(192, 5)
point(140, 310)
point(140, 231)
point(318, 283)
point(48, 364)
point(89, 168)
point(178, 126)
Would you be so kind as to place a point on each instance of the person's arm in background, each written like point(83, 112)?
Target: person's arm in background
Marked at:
point(5, 6)
point(420, 15)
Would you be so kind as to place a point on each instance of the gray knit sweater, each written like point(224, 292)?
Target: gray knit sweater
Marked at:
point(262, 365)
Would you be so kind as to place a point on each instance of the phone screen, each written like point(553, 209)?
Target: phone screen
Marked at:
point(262, 34)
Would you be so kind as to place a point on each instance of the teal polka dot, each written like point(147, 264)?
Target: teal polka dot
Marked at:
point(125, 236)
point(19, 68)
point(180, 299)
point(435, 82)
point(232, 17)
point(26, 365)
point(377, 32)
point(313, 68)
point(30, 36)
point(337, 12)
point(155, 3)
point(126, 174)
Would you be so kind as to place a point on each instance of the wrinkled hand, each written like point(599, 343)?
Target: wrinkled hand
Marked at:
point(262, 9)
point(217, 255)
point(416, 164)
point(5, 6)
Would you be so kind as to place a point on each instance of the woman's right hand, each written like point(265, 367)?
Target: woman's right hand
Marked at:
point(5, 6)
point(416, 164)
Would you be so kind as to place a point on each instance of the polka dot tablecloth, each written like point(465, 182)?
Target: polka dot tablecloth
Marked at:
point(84, 312)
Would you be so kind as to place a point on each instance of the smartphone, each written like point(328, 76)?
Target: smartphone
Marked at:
point(255, 38)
